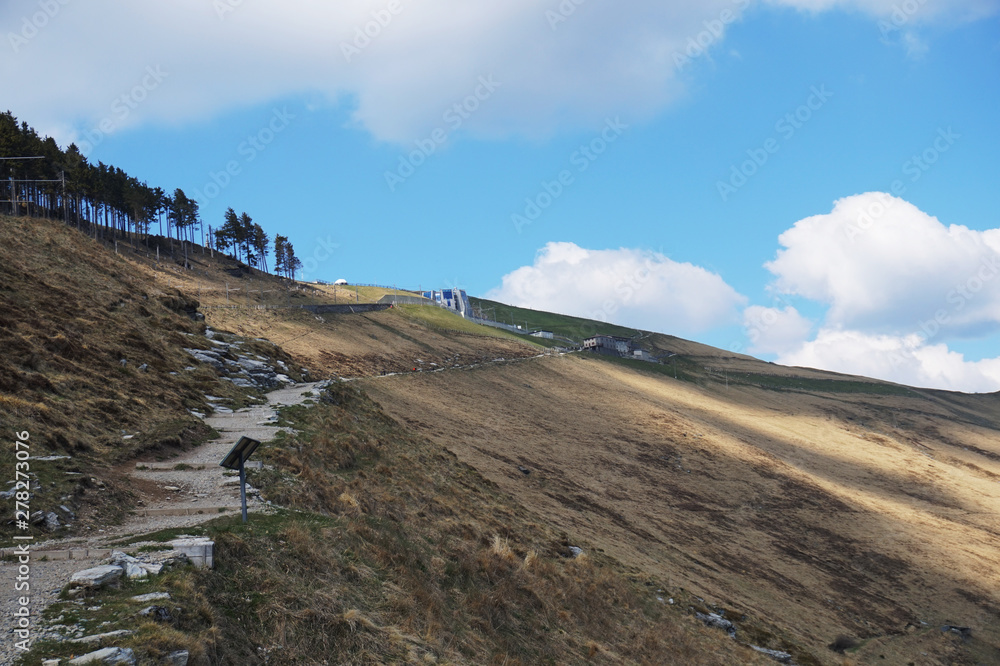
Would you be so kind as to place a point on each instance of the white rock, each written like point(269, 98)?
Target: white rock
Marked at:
point(111, 655)
point(178, 658)
point(152, 596)
point(97, 576)
point(134, 571)
point(118, 557)
point(153, 569)
point(97, 638)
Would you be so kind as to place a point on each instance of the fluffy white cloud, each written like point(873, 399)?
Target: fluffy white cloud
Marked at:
point(557, 63)
point(903, 359)
point(899, 284)
point(884, 266)
point(774, 330)
point(568, 63)
point(634, 288)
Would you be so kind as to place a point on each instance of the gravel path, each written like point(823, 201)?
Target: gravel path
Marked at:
point(196, 488)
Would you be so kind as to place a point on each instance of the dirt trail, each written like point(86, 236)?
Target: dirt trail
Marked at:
point(201, 483)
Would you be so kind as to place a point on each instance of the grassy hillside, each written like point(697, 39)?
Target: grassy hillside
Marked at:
point(574, 328)
point(434, 523)
point(821, 508)
point(77, 324)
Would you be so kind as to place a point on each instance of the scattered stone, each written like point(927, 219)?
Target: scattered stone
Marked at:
point(171, 488)
point(964, 632)
point(135, 572)
point(120, 558)
point(152, 596)
point(151, 568)
point(124, 362)
point(156, 613)
point(717, 621)
point(95, 577)
point(97, 638)
point(111, 655)
point(575, 551)
point(144, 367)
point(52, 521)
point(524, 470)
point(178, 658)
point(777, 655)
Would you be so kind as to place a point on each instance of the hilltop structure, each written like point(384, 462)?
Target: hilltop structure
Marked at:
point(452, 299)
point(609, 345)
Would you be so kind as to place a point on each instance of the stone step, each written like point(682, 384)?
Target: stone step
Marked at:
point(64, 554)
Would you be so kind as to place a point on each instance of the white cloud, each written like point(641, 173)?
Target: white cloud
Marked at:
point(903, 359)
point(774, 330)
point(420, 61)
point(906, 11)
point(222, 55)
point(631, 287)
point(882, 265)
point(899, 284)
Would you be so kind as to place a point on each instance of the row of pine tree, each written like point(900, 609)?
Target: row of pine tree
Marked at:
point(105, 201)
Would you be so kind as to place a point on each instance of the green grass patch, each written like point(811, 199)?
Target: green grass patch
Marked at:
point(574, 328)
point(444, 320)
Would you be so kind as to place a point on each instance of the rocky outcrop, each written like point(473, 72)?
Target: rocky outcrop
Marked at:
point(244, 370)
point(108, 574)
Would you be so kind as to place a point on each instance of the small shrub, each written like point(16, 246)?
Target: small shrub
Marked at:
point(842, 643)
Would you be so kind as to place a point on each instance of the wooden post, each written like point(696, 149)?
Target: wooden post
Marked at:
point(243, 489)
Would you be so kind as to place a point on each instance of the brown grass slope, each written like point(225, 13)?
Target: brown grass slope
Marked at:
point(70, 311)
point(817, 513)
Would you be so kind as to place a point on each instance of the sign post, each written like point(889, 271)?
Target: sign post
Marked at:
point(236, 460)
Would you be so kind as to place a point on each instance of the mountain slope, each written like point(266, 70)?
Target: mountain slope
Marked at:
point(819, 513)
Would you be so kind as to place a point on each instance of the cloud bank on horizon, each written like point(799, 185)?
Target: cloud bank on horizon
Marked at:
point(897, 285)
point(400, 65)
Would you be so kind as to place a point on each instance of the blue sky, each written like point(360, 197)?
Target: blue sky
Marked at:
point(598, 163)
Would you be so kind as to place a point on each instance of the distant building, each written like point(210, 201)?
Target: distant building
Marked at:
point(548, 335)
point(643, 355)
point(452, 299)
point(608, 345)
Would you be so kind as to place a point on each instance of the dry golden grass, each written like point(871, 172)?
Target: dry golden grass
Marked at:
point(818, 515)
point(429, 563)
